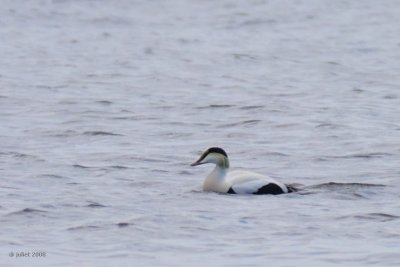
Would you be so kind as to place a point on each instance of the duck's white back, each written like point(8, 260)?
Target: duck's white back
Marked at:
point(245, 182)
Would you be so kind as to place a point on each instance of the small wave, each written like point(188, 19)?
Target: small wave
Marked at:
point(27, 211)
point(67, 122)
point(176, 135)
point(67, 133)
point(124, 224)
point(333, 63)
point(120, 167)
point(55, 176)
point(136, 158)
point(8, 187)
point(381, 217)
point(81, 166)
point(93, 204)
point(67, 102)
point(243, 56)
point(358, 155)
point(125, 118)
point(391, 96)
point(215, 106)
point(159, 171)
point(104, 102)
point(358, 90)
point(244, 123)
point(275, 154)
point(251, 107)
point(177, 123)
point(336, 186)
point(83, 227)
point(328, 125)
point(96, 133)
point(108, 20)
point(286, 125)
point(196, 191)
point(17, 154)
point(370, 155)
point(255, 22)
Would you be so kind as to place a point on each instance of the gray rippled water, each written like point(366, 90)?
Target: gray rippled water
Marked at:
point(104, 104)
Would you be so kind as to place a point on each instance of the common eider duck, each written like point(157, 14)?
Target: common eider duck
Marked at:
point(236, 182)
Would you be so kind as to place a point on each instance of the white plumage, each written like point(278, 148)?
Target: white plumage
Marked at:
point(236, 182)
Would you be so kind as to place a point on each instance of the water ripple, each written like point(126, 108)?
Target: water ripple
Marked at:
point(338, 186)
point(83, 228)
point(124, 224)
point(93, 204)
point(252, 107)
point(378, 217)
point(102, 133)
point(216, 106)
point(368, 155)
point(28, 211)
point(244, 123)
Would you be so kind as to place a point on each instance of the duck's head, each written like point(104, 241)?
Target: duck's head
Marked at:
point(214, 155)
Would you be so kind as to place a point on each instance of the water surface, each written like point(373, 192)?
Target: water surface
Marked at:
point(104, 104)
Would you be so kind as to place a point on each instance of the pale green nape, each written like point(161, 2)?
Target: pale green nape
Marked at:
point(222, 160)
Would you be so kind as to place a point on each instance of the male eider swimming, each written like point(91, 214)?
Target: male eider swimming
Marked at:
point(236, 182)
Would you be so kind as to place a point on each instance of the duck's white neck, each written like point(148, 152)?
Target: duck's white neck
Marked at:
point(219, 172)
point(215, 181)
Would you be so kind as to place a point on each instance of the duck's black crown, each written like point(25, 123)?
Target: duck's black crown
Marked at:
point(215, 150)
